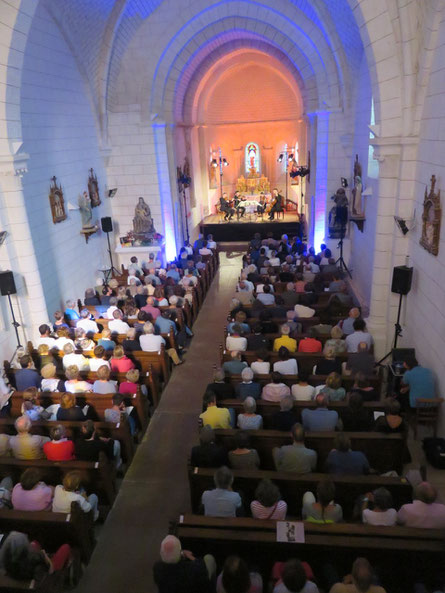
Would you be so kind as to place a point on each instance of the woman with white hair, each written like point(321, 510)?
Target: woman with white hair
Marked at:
point(247, 388)
point(249, 420)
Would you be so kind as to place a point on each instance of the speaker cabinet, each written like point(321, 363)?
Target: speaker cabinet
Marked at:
point(401, 279)
point(107, 224)
point(7, 284)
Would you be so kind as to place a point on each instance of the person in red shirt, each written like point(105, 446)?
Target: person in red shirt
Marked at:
point(119, 362)
point(59, 448)
point(310, 345)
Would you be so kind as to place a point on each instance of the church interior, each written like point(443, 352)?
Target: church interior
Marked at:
point(161, 164)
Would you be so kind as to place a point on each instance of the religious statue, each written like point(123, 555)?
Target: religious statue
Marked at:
point(85, 210)
point(142, 221)
point(357, 189)
point(338, 215)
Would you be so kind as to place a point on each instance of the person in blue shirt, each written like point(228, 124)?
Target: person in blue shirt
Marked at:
point(164, 324)
point(341, 460)
point(419, 381)
point(70, 313)
point(321, 419)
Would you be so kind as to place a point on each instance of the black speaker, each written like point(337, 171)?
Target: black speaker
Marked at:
point(107, 224)
point(401, 279)
point(7, 284)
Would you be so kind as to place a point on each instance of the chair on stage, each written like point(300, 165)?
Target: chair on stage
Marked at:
point(280, 213)
point(220, 213)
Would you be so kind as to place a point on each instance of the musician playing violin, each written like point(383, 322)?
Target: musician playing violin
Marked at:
point(240, 210)
point(225, 206)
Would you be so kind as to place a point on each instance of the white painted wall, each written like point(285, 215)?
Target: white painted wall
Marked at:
point(425, 316)
point(59, 133)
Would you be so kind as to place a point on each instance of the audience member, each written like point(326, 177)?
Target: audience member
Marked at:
point(220, 388)
point(68, 409)
point(359, 335)
point(49, 380)
point(179, 570)
point(249, 420)
point(329, 364)
point(31, 494)
point(302, 391)
point(105, 341)
point(343, 461)
point(286, 417)
point(247, 387)
point(25, 445)
point(70, 491)
point(208, 453)
point(285, 365)
point(235, 341)
point(243, 457)
point(381, 511)
point(321, 419)
point(268, 503)
point(27, 376)
point(276, 390)
point(261, 366)
point(90, 445)
point(333, 389)
point(295, 458)
point(310, 345)
point(336, 341)
point(86, 323)
point(355, 417)
point(73, 356)
point(347, 325)
point(234, 366)
point(361, 580)
point(362, 385)
point(392, 422)
point(294, 579)
point(285, 340)
point(60, 448)
point(73, 384)
point(361, 361)
point(324, 509)
point(236, 578)
point(424, 511)
point(418, 381)
point(119, 362)
point(222, 501)
point(103, 383)
point(213, 416)
point(131, 385)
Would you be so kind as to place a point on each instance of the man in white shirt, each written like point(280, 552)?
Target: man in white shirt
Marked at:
point(205, 249)
point(45, 337)
point(87, 324)
point(210, 242)
point(72, 358)
point(266, 297)
point(117, 326)
point(235, 340)
point(112, 308)
point(151, 343)
point(359, 335)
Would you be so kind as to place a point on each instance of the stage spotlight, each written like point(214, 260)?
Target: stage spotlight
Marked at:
point(290, 157)
point(225, 162)
point(112, 192)
point(214, 163)
point(344, 182)
point(280, 158)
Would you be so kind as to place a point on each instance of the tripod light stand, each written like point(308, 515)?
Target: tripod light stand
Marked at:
point(107, 227)
point(341, 214)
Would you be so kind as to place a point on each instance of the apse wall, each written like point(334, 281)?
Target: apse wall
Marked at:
point(59, 134)
point(425, 316)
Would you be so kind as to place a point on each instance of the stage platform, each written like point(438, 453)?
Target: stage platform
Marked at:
point(244, 229)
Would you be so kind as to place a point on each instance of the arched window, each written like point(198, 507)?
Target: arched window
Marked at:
point(252, 157)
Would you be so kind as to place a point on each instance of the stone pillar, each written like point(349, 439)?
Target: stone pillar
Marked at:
point(319, 134)
point(163, 139)
point(17, 254)
point(391, 247)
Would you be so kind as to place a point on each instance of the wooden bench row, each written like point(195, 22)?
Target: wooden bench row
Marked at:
point(293, 486)
point(384, 452)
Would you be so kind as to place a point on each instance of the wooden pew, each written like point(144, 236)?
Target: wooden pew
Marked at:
point(419, 551)
point(293, 486)
point(170, 338)
point(384, 452)
point(98, 401)
point(120, 432)
point(52, 530)
point(268, 409)
point(97, 477)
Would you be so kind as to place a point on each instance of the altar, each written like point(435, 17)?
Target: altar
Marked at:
point(253, 184)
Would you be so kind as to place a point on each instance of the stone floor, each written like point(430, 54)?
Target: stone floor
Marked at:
point(155, 488)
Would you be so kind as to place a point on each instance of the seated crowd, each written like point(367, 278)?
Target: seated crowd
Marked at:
point(89, 350)
point(282, 287)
